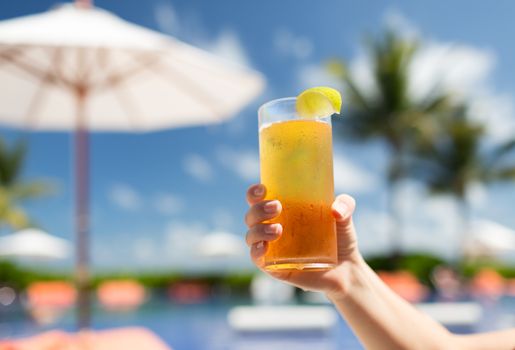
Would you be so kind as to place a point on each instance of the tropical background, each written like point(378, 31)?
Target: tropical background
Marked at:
point(425, 143)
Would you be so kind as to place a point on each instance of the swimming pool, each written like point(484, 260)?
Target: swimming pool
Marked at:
point(205, 327)
point(190, 327)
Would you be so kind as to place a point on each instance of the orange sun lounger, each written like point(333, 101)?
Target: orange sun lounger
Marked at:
point(123, 339)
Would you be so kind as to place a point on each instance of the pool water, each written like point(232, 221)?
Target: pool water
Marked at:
point(189, 327)
point(205, 327)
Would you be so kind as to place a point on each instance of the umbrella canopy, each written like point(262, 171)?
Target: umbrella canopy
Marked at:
point(488, 238)
point(135, 79)
point(32, 243)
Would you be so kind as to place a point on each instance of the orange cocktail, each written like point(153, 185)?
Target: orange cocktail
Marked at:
point(297, 169)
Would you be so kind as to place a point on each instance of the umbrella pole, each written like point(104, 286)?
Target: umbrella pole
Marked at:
point(82, 216)
point(84, 3)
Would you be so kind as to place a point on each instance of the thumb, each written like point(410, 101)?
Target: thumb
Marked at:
point(342, 209)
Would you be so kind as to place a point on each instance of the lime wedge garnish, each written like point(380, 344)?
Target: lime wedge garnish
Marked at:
point(319, 102)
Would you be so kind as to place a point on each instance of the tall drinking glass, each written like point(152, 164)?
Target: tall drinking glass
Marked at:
point(296, 161)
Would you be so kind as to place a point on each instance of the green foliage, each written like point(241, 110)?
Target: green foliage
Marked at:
point(151, 280)
point(471, 268)
point(419, 264)
point(238, 283)
point(431, 138)
point(386, 111)
point(11, 162)
point(238, 280)
point(19, 277)
point(13, 189)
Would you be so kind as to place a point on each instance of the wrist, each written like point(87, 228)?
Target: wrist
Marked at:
point(350, 277)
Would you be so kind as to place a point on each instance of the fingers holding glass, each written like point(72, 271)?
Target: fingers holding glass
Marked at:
point(262, 211)
point(255, 194)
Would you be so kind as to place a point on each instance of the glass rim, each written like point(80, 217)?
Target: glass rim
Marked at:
point(275, 101)
point(267, 109)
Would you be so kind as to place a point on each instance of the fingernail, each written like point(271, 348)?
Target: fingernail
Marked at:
point(260, 245)
point(271, 207)
point(341, 208)
point(258, 191)
point(274, 228)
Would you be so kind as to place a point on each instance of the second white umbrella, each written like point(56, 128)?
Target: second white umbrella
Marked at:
point(34, 244)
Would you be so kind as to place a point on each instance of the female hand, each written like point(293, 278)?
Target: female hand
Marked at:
point(335, 282)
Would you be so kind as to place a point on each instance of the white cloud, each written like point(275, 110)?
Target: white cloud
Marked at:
point(125, 197)
point(361, 71)
point(229, 46)
point(427, 223)
point(457, 68)
point(244, 163)
point(198, 167)
point(405, 195)
point(348, 177)
point(477, 195)
point(498, 113)
point(288, 44)
point(434, 225)
point(168, 204)
point(226, 44)
point(464, 71)
point(430, 223)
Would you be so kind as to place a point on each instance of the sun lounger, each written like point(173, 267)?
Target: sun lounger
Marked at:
point(453, 314)
point(123, 338)
point(282, 318)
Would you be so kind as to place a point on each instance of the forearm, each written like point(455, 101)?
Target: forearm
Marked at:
point(383, 320)
point(502, 340)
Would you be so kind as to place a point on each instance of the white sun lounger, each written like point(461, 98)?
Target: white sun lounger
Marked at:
point(453, 314)
point(282, 318)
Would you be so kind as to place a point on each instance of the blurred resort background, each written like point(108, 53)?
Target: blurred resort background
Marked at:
point(426, 145)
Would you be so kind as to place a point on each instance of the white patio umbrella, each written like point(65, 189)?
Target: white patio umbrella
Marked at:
point(489, 239)
point(34, 244)
point(78, 68)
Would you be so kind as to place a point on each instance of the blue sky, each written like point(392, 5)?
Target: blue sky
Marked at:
point(154, 195)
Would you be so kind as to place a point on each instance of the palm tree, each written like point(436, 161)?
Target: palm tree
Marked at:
point(13, 189)
point(388, 112)
point(458, 158)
